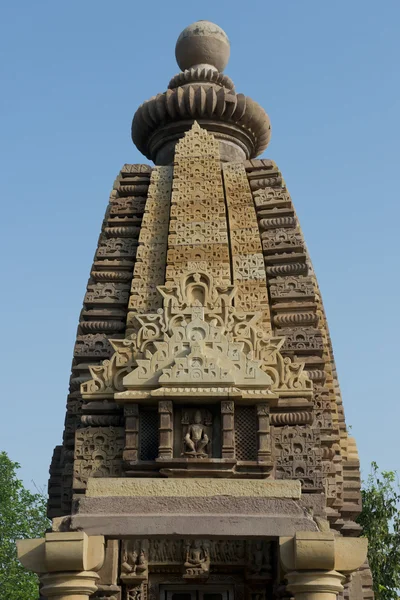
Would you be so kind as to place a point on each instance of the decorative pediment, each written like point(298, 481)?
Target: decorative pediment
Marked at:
point(198, 340)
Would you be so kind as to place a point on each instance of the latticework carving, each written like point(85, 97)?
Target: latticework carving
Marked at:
point(245, 433)
point(148, 434)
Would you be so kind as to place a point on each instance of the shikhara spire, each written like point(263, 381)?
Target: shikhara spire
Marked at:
point(205, 440)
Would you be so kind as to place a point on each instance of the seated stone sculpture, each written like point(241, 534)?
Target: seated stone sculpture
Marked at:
point(197, 561)
point(196, 439)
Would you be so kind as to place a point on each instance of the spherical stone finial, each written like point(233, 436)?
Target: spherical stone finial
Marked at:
point(202, 43)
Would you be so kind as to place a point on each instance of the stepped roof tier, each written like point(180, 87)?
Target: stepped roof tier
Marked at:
point(205, 449)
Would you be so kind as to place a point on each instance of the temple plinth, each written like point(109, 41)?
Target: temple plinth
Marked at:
point(205, 450)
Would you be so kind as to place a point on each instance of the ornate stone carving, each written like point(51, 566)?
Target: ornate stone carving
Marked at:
point(276, 223)
point(111, 275)
point(292, 418)
point(121, 231)
point(249, 266)
point(295, 318)
point(213, 99)
point(293, 268)
point(299, 455)
point(197, 560)
point(107, 293)
point(197, 340)
point(291, 288)
point(93, 345)
point(136, 169)
point(131, 450)
point(98, 453)
point(149, 270)
point(227, 552)
point(136, 592)
point(165, 551)
point(263, 432)
point(166, 430)
point(259, 560)
point(127, 206)
point(302, 339)
point(117, 248)
point(282, 239)
point(271, 197)
point(134, 561)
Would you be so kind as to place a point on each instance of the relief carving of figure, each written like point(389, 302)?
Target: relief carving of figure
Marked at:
point(134, 564)
point(260, 560)
point(196, 439)
point(197, 560)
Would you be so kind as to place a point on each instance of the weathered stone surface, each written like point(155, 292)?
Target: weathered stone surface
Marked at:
point(204, 411)
point(192, 488)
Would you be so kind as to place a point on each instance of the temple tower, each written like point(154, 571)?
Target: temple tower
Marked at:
point(205, 453)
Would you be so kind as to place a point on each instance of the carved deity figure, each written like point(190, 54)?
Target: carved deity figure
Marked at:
point(260, 560)
point(196, 438)
point(197, 560)
point(134, 564)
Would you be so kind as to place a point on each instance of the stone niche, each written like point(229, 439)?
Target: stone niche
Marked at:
point(197, 432)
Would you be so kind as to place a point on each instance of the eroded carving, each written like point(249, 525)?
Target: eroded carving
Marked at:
point(299, 455)
point(197, 560)
point(98, 453)
point(196, 440)
point(134, 561)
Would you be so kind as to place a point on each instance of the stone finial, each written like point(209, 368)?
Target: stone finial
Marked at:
point(202, 44)
point(201, 92)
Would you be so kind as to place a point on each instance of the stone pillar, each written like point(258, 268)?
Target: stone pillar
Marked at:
point(264, 432)
point(69, 586)
point(166, 430)
point(66, 563)
point(131, 451)
point(315, 585)
point(317, 563)
point(228, 428)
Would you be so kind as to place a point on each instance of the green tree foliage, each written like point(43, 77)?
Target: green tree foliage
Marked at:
point(380, 519)
point(22, 515)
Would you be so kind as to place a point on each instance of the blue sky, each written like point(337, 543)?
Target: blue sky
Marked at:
point(72, 75)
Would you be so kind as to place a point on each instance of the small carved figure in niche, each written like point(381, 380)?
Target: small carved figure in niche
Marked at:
point(141, 563)
point(196, 439)
point(129, 565)
point(260, 560)
point(197, 560)
point(134, 564)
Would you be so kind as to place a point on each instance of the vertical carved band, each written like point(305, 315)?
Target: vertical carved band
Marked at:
point(228, 428)
point(245, 242)
point(131, 451)
point(264, 432)
point(166, 430)
point(151, 256)
point(198, 231)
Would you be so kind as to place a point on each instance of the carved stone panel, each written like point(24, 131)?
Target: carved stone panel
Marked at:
point(134, 561)
point(259, 562)
point(298, 455)
point(246, 444)
point(197, 560)
point(98, 453)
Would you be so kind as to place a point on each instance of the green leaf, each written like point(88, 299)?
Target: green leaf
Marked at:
point(22, 515)
point(380, 520)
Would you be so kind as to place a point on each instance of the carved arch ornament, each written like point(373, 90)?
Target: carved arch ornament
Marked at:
point(198, 343)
